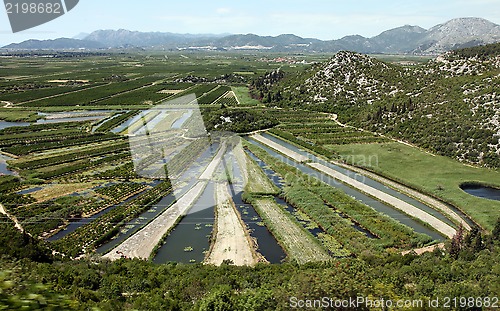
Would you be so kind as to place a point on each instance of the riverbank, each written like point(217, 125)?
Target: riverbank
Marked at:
point(232, 240)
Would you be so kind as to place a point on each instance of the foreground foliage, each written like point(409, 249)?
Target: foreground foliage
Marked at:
point(471, 271)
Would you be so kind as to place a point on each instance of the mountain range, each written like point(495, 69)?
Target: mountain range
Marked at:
point(456, 33)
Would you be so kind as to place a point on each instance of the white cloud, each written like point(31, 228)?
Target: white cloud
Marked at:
point(223, 11)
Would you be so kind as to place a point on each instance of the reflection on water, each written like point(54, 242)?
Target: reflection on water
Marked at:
point(190, 239)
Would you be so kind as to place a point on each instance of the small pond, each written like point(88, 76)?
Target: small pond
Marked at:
point(482, 191)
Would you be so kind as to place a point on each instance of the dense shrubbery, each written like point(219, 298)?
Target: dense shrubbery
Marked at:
point(136, 284)
point(238, 121)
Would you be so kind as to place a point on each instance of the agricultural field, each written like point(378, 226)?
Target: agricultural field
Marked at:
point(72, 180)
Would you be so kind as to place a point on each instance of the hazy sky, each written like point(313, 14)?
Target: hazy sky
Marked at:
point(323, 19)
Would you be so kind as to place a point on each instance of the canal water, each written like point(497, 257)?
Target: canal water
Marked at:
point(377, 205)
point(482, 191)
point(4, 124)
point(78, 222)
point(267, 244)
point(185, 182)
point(3, 166)
point(367, 181)
point(189, 241)
point(280, 183)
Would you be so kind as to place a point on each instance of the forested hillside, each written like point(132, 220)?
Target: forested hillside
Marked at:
point(449, 105)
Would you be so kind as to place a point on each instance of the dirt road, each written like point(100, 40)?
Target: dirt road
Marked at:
point(436, 204)
point(232, 241)
point(292, 154)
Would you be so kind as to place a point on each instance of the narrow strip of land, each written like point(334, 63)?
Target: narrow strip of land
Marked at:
point(427, 249)
point(11, 217)
point(232, 241)
point(436, 204)
point(298, 244)
point(292, 154)
point(142, 243)
point(408, 209)
point(209, 171)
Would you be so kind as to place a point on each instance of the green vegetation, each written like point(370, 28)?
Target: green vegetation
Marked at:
point(433, 105)
point(237, 121)
point(10, 115)
point(243, 96)
point(136, 284)
point(116, 121)
point(299, 244)
point(446, 105)
point(326, 206)
point(92, 235)
point(436, 175)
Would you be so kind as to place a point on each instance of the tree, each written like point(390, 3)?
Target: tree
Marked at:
point(496, 231)
point(457, 242)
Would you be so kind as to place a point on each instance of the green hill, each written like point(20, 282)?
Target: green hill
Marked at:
point(449, 105)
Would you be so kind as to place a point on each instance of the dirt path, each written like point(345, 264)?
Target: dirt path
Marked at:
point(297, 243)
point(7, 104)
point(232, 241)
point(142, 243)
point(292, 154)
point(11, 217)
point(408, 209)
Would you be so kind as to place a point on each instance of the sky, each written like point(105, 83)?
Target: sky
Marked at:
point(322, 19)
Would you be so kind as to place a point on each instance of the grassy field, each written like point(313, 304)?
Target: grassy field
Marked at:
point(436, 175)
point(241, 92)
point(258, 183)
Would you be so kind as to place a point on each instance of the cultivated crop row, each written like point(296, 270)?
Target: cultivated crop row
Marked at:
point(108, 225)
point(93, 96)
point(70, 156)
point(61, 142)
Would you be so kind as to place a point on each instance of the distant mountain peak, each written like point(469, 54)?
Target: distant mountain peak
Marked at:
point(407, 39)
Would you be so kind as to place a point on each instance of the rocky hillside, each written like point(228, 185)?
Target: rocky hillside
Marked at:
point(450, 105)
